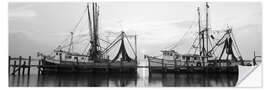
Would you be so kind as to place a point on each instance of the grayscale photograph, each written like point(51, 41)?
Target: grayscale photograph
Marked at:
point(133, 44)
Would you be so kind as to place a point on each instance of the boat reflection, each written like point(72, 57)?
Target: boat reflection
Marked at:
point(140, 79)
point(193, 79)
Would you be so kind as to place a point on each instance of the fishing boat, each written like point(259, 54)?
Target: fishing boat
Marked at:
point(206, 54)
point(65, 59)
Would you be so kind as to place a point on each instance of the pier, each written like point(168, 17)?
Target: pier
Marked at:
point(22, 66)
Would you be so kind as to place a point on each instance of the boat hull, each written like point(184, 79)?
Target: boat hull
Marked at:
point(69, 66)
point(157, 65)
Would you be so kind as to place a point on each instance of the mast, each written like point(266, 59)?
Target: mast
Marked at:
point(90, 23)
point(207, 31)
point(95, 22)
point(90, 31)
point(199, 27)
point(201, 36)
point(70, 49)
point(93, 32)
point(95, 44)
point(136, 47)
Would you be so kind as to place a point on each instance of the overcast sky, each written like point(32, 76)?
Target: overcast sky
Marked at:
point(42, 26)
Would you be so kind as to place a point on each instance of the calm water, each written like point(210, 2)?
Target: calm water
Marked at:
point(140, 79)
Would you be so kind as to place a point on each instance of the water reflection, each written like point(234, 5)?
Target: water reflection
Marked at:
point(140, 79)
point(90, 79)
point(192, 79)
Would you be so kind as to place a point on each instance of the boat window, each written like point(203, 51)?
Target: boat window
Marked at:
point(56, 53)
point(187, 58)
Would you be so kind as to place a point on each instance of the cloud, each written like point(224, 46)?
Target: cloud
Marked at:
point(22, 45)
point(21, 12)
point(154, 31)
point(184, 24)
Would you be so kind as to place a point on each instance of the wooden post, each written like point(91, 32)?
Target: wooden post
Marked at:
point(121, 64)
point(60, 54)
point(136, 56)
point(162, 63)
point(149, 64)
point(29, 65)
point(165, 68)
point(14, 68)
point(39, 66)
point(254, 59)
point(77, 61)
point(175, 64)
point(42, 64)
point(108, 66)
point(20, 62)
point(23, 67)
point(9, 58)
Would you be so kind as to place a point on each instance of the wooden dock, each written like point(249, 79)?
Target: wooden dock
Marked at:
point(22, 66)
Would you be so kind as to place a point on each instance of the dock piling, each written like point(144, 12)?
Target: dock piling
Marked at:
point(20, 62)
point(23, 67)
point(162, 62)
point(175, 64)
point(14, 68)
point(121, 65)
point(39, 66)
point(149, 65)
point(9, 57)
point(29, 65)
point(108, 66)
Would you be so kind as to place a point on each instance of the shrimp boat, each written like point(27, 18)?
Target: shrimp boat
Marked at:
point(64, 59)
point(209, 52)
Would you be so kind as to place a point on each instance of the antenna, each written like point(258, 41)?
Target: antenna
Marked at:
point(71, 43)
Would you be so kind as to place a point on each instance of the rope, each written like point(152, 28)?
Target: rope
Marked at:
point(130, 44)
point(116, 40)
point(86, 48)
point(236, 44)
point(77, 24)
point(175, 45)
point(192, 44)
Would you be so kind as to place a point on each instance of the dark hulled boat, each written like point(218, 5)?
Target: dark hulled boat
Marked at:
point(97, 58)
point(206, 57)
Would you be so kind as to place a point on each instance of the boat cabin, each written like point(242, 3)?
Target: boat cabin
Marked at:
point(181, 59)
point(169, 54)
point(191, 59)
point(67, 56)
